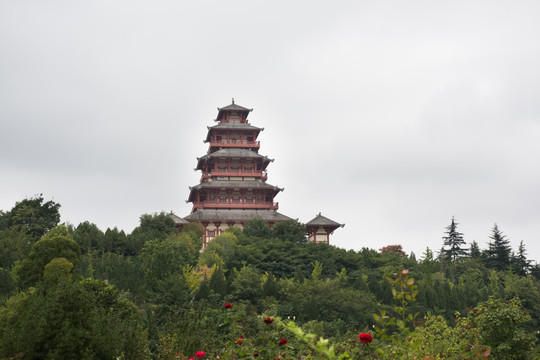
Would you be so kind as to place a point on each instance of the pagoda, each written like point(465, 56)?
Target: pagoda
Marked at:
point(233, 187)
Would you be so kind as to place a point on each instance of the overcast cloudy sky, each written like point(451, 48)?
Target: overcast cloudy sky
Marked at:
point(388, 116)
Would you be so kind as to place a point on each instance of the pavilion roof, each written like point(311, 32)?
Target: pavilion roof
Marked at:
point(241, 184)
point(236, 215)
point(320, 220)
point(232, 107)
point(228, 184)
point(232, 153)
point(178, 220)
point(231, 126)
point(234, 126)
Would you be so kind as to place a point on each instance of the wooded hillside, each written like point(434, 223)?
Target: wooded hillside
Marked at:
point(79, 292)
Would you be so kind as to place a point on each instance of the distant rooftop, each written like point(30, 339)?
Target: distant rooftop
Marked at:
point(320, 220)
point(178, 220)
point(234, 107)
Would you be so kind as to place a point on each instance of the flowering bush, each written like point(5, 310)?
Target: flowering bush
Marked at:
point(366, 338)
point(242, 334)
point(240, 340)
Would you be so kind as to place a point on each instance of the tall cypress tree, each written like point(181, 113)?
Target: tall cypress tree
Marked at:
point(454, 240)
point(498, 253)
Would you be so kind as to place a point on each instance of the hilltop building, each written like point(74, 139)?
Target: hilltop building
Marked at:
point(320, 228)
point(233, 187)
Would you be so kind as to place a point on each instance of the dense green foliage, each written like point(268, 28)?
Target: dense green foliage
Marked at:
point(31, 216)
point(79, 292)
point(67, 319)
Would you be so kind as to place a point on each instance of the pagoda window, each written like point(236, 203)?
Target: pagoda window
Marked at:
point(250, 139)
point(211, 233)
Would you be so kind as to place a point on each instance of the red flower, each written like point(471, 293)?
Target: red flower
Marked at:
point(191, 359)
point(268, 320)
point(239, 341)
point(366, 338)
point(283, 342)
point(200, 354)
point(228, 305)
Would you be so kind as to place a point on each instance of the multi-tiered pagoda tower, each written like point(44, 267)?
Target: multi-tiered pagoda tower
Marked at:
point(233, 187)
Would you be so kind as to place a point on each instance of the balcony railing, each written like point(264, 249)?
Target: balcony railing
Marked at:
point(235, 204)
point(235, 143)
point(235, 172)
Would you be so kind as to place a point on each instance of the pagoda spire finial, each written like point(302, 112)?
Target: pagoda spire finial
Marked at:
point(233, 100)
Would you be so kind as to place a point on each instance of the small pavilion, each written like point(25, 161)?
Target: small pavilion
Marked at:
point(320, 228)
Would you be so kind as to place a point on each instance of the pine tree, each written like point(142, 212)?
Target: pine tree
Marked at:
point(454, 241)
point(519, 261)
point(498, 253)
point(474, 250)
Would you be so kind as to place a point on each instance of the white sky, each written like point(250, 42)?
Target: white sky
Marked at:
point(388, 116)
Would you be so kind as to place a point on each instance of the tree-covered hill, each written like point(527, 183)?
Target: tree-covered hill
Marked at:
point(80, 292)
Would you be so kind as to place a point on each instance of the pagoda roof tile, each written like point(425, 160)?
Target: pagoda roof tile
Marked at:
point(234, 107)
point(233, 153)
point(229, 126)
point(249, 184)
point(177, 219)
point(234, 126)
point(236, 215)
point(320, 220)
